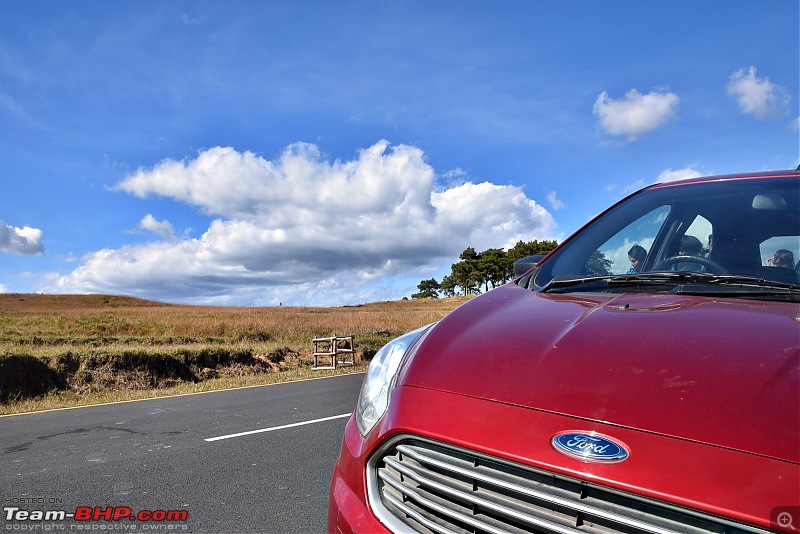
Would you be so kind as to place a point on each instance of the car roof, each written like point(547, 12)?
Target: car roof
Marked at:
point(729, 177)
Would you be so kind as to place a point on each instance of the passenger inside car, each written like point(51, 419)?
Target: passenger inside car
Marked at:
point(636, 256)
point(782, 258)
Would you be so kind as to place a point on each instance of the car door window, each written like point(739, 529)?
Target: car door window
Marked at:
point(784, 249)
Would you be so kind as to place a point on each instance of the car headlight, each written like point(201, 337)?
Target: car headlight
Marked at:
point(373, 401)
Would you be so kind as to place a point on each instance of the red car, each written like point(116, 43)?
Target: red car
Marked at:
point(644, 377)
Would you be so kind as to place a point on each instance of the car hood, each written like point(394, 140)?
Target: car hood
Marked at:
point(724, 372)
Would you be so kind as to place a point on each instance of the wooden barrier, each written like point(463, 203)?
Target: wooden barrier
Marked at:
point(332, 351)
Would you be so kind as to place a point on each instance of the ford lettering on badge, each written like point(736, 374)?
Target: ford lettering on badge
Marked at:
point(589, 447)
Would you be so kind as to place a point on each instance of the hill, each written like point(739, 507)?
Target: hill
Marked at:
point(25, 302)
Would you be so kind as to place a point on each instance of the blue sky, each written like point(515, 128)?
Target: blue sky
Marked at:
point(332, 153)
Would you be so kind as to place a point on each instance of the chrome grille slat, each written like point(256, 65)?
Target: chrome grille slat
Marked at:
point(419, 517)
point(553, 499)
point(483, 503)
point(458, 516)
point(417, 484)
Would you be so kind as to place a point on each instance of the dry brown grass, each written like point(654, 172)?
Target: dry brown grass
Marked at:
point(60, 400)
point(84, 315)
point(97, 348)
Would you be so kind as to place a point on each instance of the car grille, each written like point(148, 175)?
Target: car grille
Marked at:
point(419, 485)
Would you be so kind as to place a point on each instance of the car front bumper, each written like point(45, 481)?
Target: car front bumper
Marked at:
point(706, 480)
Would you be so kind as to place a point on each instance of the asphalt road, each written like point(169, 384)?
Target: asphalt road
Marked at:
point(156, 455)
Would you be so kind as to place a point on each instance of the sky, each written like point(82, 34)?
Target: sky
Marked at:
point(314, 153)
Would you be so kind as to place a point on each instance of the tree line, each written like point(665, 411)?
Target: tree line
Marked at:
point(476, 272)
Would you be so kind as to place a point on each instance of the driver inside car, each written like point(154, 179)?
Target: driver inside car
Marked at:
point(690, 246)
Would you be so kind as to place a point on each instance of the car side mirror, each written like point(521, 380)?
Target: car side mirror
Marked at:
point(523, 265)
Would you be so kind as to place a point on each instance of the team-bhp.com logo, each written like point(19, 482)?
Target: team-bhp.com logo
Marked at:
point(93, 513)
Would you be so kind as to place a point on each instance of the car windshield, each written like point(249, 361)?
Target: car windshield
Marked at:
point(733, 237)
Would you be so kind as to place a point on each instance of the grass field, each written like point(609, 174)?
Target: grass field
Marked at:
point(66, 350)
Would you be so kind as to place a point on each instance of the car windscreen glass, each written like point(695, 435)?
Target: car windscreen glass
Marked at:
point(718, 227)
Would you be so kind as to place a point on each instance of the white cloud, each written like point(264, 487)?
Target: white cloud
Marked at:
point(757, 96)
point(635, 115)
point(554, 201)
point(795, 124)
point(668, 175)
point(632, 187)
point(162, 229)
point(673, 176)
point(302, 229)
point(25, 240)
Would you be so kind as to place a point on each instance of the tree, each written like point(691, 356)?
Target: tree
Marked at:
point(428, 289)
point(492, 267)
point(523, 249)
point(598, 264)
point(476, 271)
point(466, 273)
point(529, 248)
point(448, 286)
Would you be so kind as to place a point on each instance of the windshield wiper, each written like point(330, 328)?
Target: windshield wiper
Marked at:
point(560, 282)
point(750, 283)
point(680, 278)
